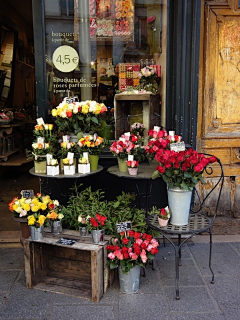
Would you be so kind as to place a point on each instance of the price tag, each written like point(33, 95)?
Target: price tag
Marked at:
point(71, 99)
point(130, 157)
point(178, 146)
point(27, 193)
point(40, 121)
point(65, 58)
point(124, 226)
point(67, 241)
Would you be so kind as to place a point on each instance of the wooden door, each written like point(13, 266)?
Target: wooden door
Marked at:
point(219, 96)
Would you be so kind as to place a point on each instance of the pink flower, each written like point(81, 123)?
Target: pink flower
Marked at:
point(111, 255)
point(143, 256)
point(138, 241)
point(115, 240)
point(134, 256)
point(154, 243)
point(129, 250)
point(150, 247)
point(146, 242)
point(23, 213)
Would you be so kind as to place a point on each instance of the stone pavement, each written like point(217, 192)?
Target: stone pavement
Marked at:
point(155, 300)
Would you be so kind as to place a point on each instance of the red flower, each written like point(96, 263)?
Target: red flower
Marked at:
point(137, 235)
point(131, 233)
point(163, 211)
point(154, 251)
point(94, 222)
point(69, 114)
point(125, 255)
point(137, 250)
point(160, 169)
point(124, 249)
point(212, 159)
point(198, 168)
point(143, 246)
point(125, 240)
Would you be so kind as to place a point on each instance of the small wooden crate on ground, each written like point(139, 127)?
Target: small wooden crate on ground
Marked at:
point(79, 269)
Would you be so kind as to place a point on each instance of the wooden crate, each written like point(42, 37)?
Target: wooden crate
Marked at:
point(150, 108)
point(78, 270)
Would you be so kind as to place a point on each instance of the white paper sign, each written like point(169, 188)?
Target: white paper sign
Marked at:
point(178, 146)
point(85, 155)
point(130, 157)
point(70, 156)
point(65, 138)
point(40, 140)
point(122, 139)
point(40, 121)
point(156, 128)
point(49, 157)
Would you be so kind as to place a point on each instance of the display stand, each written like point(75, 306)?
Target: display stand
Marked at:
point(79, 269)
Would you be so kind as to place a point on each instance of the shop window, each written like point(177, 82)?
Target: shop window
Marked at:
point(89, 44)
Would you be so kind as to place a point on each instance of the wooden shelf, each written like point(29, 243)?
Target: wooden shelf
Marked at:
point(4, 155)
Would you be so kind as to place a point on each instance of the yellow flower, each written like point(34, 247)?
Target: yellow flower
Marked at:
point(15, 207)
point(43, 206)
point(85, 108)
point(35, 208)
point(22, 201)
point(88, 143)
point(64, 145)
point(54, 112)
point(97, 110)
point(41, 220)
point(26, 207)
point(50, 127)
point(35, 201)
point(31, 220)
point(46, 199)
point(65, 161)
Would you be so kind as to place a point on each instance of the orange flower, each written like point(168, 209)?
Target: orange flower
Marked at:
point(52, 215)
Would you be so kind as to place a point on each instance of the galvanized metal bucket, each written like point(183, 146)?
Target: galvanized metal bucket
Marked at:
point(179, 201)
point(83, 231)
point(98, 236)
point(129, 282)
point(56, 227)
point(36, 233)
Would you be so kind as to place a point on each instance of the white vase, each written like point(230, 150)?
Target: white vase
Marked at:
point(162, 222)
point(179, 201)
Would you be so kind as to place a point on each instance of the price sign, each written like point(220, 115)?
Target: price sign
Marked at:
point(65, 58)
point(27, 193)
point(124, 226)
point(67, 241)
point(178, 146)
point(71, 99)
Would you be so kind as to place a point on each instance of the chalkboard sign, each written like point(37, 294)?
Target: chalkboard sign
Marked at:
point(124, 226)
point(67, 241)
point(71, 99)
point(27, 193)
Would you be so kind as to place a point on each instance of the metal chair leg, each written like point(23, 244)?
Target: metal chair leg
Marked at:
point(177, 274)
point(210, 255)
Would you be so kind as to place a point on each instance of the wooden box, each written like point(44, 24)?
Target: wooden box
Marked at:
point(149, 106)
point(79, 269)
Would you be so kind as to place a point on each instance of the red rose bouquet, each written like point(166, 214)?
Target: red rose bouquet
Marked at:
point(96, 223)
point(181, 169)
point(132, 164)
point(130, 249)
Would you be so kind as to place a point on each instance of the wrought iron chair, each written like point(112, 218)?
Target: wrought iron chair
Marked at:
point(201, 218)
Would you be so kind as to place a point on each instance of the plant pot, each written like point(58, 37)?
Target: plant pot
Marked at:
point(98, 236)
point(129, 282)
point(122, 165)
point(132, 171)
point(83, 231)
point(36, 233)
point(56, 227)
point(24, 228)
point(62, 165)
point(93, 159)
point(40, 167)
point(179, 201)
point(162, 222)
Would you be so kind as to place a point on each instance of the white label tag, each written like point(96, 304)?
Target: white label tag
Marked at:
point(49, 157)
point(130, 157)
point(40, 121)
point(65, 138)
point(156, 128)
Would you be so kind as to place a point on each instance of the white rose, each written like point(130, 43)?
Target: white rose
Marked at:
point(80, 219)
point(92, 107)
point(28, 201)
point(56, 203)
point(63, 114)
point(19, 209)
point(75, 109)
point(34, 145)
point(46, 126)
point(70, 106)
point(60, 216)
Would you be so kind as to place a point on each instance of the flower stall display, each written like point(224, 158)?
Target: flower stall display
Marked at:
point(181, 171)
point(132, 167)
point(83, 163)
point(129, 251)
point(137, 128)
point(78, 117)
point(36, 224)
point(65, 147)
point(83, 221)
point(52, 167)
point(94, 145)
point(96, 226)
point(68, 165)
point(147, 78)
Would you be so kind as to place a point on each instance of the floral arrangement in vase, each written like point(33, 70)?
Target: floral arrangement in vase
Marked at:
point(43, 130)
point(132, 167)
point(24, 207)
point(93, 144)
point(66, 147)
point(147, 78)
point(48, 135)
point(163, 215)
point(181, 169)
point(78, 117)
point(130, 249)
point(54, 215)
point(83, 220)
point(137, 128)
point(39, 151)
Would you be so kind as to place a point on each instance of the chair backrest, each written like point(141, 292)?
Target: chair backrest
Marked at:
point(207, 196)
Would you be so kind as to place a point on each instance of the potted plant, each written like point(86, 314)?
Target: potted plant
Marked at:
point(39, 154)
point(69, 166)
point(36, 224)
point(55, 217)
point(83, 221)
point(94, 145)
point(66, 147)
point(129, 251)
point(137, 128)
point(163, 215)
point(181, 171)
point(96, 226)
point(52, 167)
point(78, 117)
point(132, 167)
point(83, 163)
point(147, 78)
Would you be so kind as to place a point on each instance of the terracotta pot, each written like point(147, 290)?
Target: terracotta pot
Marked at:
point(24, 228)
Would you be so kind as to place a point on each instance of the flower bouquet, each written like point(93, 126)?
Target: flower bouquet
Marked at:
point(55, 218)
point(48, 135)
point(96, 226)
point(163, 215)
point(131, 249)
point(147, 78)
point(94, 145)
point(137, 129)
point(36, 220)
point(181, 169)
point(78, 117)
point(83, 221)
point(132, 167)
point(66, 147)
